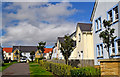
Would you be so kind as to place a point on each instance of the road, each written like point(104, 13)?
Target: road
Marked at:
point(17, 70)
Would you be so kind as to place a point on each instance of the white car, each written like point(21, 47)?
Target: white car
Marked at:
point(23, 60)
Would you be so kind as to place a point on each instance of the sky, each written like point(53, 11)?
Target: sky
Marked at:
point(27, 23)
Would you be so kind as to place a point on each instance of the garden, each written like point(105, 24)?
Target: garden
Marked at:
point(43, 67)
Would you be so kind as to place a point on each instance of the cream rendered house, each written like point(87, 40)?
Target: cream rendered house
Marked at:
point(84, 42)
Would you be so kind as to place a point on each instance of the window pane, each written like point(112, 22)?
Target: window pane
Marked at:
point(100, 22)
point(113, 48)
point(101, 46)
point(119, 46)
point(96, 24)
point(98, 50)
point(110, 15)
point(116, 12)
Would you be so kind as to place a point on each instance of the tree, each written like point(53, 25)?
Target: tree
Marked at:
point(67, 48)
point(17, 54)
point(32, 53)
point(41, 46)
point(107, 35)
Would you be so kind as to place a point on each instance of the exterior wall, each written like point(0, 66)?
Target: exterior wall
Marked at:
point(38, 55)
point(27, 54)
point(15, 56)
point(8, 56)
point(54, 54)
point(85, 45)
point(59, 54)
point(101, 11)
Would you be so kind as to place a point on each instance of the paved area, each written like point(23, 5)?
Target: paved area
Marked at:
point(17, 70)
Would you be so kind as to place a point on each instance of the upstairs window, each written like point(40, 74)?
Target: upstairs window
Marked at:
point(116, 12)
point(100, 51)
point(98, 24)
point(110, 17)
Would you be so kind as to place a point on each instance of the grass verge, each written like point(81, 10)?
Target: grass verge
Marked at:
point(36, 71)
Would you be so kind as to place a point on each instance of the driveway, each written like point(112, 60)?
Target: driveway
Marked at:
point(17, 70)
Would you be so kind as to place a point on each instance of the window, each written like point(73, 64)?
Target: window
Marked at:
point(118, 43)
point(110, 18)
point(9, 53)
point(113, 48)
point(98, 24)
point(98, 49)
point(101, 47)
point(79, 37)
point(116, 12)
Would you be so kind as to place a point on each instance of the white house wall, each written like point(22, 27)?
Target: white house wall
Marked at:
point(101, 11)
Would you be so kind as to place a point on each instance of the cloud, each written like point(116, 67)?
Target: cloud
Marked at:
point(37, 22)
point(27, 34)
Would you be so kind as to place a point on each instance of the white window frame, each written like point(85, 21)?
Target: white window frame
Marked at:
point(116, 14)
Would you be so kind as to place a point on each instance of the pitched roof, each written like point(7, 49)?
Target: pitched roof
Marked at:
point(94, 9)
point(73, 34)
point(47, 50)
point(8, 50)
point(85, 26)
point(25, 48)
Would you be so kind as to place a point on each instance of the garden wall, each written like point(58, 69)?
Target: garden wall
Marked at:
point(76, 63)
point(110, 67)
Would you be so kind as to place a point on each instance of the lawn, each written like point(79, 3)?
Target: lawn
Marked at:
point(37, 70)
point(6, 65)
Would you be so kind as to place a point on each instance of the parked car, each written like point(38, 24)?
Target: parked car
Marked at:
point(23, 60)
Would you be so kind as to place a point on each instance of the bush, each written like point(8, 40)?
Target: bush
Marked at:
point(37, 59)
point(56, 68)
point(85, 72)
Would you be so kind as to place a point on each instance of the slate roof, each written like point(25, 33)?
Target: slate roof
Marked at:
point(7, 50)
point(25, 48)
point(85, 26)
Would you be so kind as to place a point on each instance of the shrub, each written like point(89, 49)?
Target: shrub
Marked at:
point(85, 72)
point(56, 68)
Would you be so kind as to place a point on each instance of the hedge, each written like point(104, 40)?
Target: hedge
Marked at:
point(85, 72)
point(65, 70)
point(56, 68)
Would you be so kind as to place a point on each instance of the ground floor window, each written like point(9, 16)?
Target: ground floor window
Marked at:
point(100, 50)
point(118, 46)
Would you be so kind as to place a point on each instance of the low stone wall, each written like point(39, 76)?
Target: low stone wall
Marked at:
point(110, 67)
point(76, 63)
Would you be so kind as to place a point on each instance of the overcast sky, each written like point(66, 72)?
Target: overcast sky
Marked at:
point(27, 23)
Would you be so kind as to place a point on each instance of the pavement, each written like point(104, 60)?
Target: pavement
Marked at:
point(17, 70)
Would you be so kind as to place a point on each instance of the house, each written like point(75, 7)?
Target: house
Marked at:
point(59, 53)
point(84, 42)
point(38, 54)
point(47, 52)
point(108, 11)
point(24, 51)
point(8, 55)
point(54, 53)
